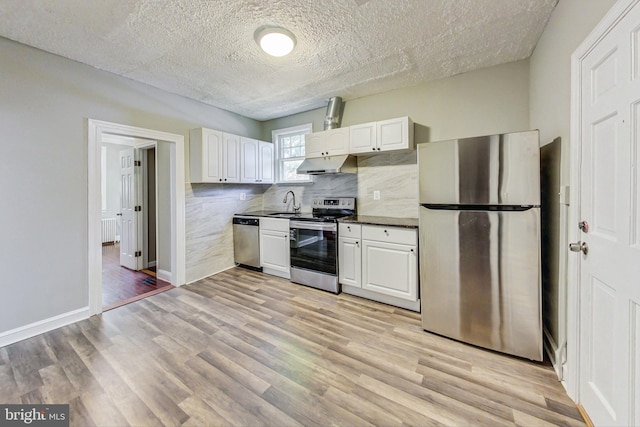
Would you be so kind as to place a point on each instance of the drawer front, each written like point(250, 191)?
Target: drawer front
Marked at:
point(349, 230)
point(274, 224)
point(400, 235)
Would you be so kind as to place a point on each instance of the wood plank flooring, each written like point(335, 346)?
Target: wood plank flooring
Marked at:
point(245, 349)
point(122, 286)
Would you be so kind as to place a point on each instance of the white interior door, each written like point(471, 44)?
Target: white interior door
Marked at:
point(130, 216)
point(609, 273)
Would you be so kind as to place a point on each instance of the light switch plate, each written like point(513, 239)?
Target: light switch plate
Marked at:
point(243, 196)
point(376, 194)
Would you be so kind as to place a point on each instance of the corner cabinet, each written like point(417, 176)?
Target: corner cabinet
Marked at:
point(274, 247)
point(332, 142)
point(380, 263)
point(214, 156)
point(387, 135)
point(257, 161)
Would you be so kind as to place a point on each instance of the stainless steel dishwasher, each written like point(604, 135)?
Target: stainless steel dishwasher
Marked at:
point(246, 242)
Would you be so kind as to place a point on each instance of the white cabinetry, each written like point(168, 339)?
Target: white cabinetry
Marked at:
point(214, 156)
point(267, 162)
point(333, 142)
point(257, 161)
point(274, 247)
point(380, 263)
point(349, 255)
point(390, 262)
point(387, 135)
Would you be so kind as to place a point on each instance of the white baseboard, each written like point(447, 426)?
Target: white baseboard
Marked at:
point(164, 275)
point(42, 326)
point(209, 275)
point(385, 299)
point(151, 264)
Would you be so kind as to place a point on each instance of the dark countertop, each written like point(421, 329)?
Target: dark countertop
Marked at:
point(271, 214)
point(381, 220)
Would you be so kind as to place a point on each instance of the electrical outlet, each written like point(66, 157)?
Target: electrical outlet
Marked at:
point(376, 194)
point(243, 196)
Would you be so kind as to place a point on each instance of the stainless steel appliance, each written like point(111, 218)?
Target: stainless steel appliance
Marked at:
point(480, 241)
point(246, 242)
point(328, 165)
point(314, 243)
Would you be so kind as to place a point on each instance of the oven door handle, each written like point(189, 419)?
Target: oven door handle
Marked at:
point(310, 225)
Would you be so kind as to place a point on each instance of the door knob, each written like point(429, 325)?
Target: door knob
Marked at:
point(579, 247)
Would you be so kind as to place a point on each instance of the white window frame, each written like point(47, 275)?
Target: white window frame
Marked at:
point(275, 135)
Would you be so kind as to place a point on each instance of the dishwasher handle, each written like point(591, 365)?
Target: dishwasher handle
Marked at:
point(246, 221)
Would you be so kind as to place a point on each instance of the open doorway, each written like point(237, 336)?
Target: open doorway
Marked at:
point(129, 192)
point(168, 153)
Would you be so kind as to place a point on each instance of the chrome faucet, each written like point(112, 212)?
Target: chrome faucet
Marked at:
point(295, 208)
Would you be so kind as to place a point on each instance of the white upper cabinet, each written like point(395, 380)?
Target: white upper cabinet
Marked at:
point(257, 161)
point(249, 153)
point(205, 153)
point(230, 157)
point(227, 158)
point(387, 135)
point(267, 162)
point(332, 142)
point(362, 138)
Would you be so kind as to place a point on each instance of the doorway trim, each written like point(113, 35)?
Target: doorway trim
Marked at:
point(96, 129)
point(617, 12)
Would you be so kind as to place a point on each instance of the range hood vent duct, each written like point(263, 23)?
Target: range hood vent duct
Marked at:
point(333, 117)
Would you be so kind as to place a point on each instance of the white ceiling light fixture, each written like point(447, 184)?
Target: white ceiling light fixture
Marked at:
point(275, 41)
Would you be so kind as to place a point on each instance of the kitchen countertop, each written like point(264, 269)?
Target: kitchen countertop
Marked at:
point(381, 220)
point(355, 219)
point(271, 214)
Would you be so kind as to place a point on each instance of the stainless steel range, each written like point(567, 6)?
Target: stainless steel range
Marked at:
point(314, 243)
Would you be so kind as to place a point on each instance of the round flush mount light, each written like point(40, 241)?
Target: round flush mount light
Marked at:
point(275, 41)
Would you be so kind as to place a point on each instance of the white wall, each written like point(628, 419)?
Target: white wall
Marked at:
point(113, 179)
point(44, 103)
point(482, 102)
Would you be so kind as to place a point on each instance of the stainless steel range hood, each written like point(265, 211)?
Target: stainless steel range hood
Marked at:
point(329, 165)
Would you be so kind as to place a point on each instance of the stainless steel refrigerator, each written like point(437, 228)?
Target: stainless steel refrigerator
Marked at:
point(480, 241)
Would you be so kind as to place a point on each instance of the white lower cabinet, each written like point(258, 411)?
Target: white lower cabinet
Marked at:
point(380, 263)
point(274, 247)
point(349, 255)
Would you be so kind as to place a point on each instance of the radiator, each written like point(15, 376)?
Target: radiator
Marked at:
point(109, 230)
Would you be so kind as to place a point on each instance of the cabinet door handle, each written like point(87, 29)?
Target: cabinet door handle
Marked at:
point(358, 244)
point(374, 148)
point(378, 148)
point(412, 250)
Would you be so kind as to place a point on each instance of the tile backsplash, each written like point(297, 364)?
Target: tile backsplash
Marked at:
point(210, 207)
point(394, 175)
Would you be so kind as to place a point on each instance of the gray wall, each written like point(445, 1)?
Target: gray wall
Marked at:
point(550, 95)
point(45, 101)
point(482, 102)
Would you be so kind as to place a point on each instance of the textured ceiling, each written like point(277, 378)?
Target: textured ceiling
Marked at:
point(205, 50)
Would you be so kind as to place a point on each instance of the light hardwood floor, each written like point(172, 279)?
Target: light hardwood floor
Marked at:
point(245, 349)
